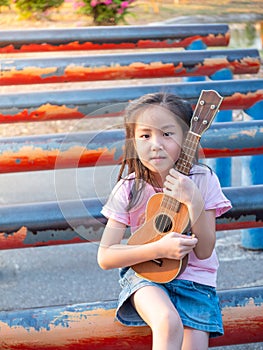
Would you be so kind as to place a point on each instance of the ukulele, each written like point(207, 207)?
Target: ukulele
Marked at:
point(164, 213)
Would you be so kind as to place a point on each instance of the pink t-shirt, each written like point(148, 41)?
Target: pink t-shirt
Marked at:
point(200, 271)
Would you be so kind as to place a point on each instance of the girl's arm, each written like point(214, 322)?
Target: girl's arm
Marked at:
point(202, 221)
point(203, 227)
point(113, 254)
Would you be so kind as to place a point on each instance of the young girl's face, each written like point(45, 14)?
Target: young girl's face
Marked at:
point(158, 140)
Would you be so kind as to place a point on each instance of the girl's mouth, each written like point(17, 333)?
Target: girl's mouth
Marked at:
point(157, 159)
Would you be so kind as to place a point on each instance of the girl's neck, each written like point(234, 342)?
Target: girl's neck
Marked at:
point(159, 179)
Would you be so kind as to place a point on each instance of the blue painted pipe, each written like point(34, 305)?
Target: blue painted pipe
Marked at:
point(253, 238)
point(68, 104)
point(196, 46)
point(223, 167)
point(127, 66)
point(92, 325)
point(60, 151)
point(96, 38)
point(62, 222)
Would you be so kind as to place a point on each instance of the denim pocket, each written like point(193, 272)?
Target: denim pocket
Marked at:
point(204, 289)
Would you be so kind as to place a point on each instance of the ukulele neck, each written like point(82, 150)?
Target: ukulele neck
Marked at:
point(206, 108)
point(183, 165)
point(188, 152)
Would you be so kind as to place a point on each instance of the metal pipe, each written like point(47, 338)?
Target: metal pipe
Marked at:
point(60, 151)
point(78, 221)
point(247, 208)
point(92, 325)
point(121, 37)
point(105, 102)
point(127, 66)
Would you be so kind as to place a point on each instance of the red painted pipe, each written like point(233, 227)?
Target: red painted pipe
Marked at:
point(111, 38)
point(127, 66)
point(60, 151)
point(106, 102)
point(92, 326)
point(78, 221)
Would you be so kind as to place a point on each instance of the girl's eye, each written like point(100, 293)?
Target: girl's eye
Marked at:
point(168, 133)
point(145, 136)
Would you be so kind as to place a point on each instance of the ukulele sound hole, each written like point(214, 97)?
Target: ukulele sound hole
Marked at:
point(163, 223)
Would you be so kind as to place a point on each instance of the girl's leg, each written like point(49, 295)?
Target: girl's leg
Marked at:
point(195, 339)
point(157, 310)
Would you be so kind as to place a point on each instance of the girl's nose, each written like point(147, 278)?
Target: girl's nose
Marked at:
point(157, 143)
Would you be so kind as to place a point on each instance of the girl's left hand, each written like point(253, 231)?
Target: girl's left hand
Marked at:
point(180, 187)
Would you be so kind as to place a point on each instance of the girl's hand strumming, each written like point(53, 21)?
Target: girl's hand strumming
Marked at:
point(175, 246)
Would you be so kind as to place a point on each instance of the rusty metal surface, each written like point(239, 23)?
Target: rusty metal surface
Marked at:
point(98, 102)
point(64, 222)
point(92, 325)
point(121, 37)
point(60, 151)
point(127, 66)
point(233, 139)
point(247, 211)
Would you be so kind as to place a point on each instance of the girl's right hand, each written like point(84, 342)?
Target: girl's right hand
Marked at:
point(175, 245)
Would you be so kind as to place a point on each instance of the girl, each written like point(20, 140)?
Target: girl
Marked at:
point(183, 313)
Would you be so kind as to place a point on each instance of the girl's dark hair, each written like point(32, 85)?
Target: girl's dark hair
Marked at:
point(182, 111)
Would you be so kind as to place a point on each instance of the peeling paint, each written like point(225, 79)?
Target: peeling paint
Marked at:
point(36, 158)
point(250, 133)
point(241, 222)
point(105, 67)
point(106, 148)
point(45, 112)
point(63, 327)
point(15, 239)
point(242, 101)
point(208, 39)
point(52, 223)
point(71, 104)
point(23, 238)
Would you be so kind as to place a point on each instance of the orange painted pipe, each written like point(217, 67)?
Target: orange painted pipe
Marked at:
point(62, 222)
point(107, 102)
point(128, 66)
point(92, 326)
point(60, 151)
point(111, 38)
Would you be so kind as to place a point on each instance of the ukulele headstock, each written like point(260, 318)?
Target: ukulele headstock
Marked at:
point(205, 111)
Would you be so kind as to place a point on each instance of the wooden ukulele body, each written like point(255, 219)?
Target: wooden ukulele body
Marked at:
point(159, 221)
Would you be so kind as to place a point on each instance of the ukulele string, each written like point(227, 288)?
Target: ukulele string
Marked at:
point(193, 140)
point(169, 202)
point(165, 219)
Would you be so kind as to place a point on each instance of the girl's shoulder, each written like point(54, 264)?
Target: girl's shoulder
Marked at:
point(208, 183)
point(201, 171)
point(116, 205)
point(127, 180)
point(204, 177)
point(130, 177)
point(124, 184)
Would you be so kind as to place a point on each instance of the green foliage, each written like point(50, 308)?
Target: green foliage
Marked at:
point(36, 8)
point(5, 3)
point(106, 12)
